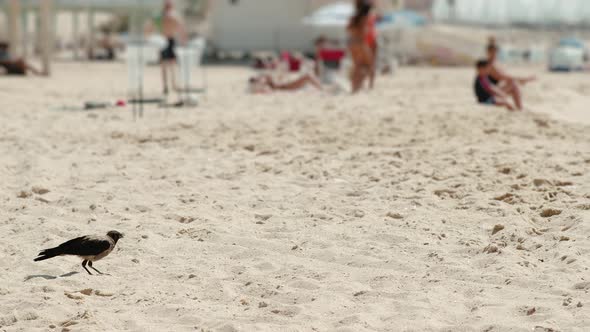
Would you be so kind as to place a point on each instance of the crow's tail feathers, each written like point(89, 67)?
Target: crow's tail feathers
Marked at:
point(47, 253)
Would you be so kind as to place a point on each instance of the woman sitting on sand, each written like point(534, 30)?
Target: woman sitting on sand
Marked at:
point(264, 83)
point(357, 46)
point(509, 84)
point(10, 66)
point(485, 91)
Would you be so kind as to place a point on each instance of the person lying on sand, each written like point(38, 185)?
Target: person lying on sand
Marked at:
point(14, 66)
point(265, 83)
point(508, 84)
point(485, 91)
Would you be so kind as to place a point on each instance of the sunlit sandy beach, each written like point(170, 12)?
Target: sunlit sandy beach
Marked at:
point(408, 208)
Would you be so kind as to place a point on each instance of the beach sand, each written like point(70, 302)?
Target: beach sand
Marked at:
point(408, 208)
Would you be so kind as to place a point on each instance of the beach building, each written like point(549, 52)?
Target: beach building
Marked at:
point(18, 14)
point(244, 25)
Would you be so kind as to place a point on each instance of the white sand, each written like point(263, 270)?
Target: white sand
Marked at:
point(297, 212)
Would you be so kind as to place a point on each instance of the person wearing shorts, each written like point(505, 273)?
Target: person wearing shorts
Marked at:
point(168, 53)
point(172, 28)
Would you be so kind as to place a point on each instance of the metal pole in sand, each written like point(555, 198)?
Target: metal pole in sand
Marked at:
point(76, 33)
point(13, 26)
point(46, 29)
point(138, 36)
point(25, 32)
point(135, 65)
point(91, 31)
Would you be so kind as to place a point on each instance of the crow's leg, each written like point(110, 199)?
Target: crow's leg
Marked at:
point(90, 264)
point(84, 266)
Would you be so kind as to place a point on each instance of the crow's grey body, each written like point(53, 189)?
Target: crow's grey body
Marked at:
point(90, 248)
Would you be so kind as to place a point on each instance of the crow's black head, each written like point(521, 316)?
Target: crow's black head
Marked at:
point(114, 235)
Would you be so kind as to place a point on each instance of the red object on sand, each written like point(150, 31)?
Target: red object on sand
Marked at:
point(120, 103)
point(332, 54)
point(294, 63)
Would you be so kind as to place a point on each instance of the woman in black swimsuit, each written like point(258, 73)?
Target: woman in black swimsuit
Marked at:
point(486, 92)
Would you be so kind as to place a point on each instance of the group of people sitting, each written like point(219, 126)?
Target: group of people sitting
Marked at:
point(362, 46)
point(276, 75)
point(495, 87)
point(265, 83)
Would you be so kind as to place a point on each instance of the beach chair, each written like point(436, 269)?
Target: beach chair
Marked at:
point(137, 57)
point(135, 63)
point(190, 61)
point(330, 63)
point(387, 61)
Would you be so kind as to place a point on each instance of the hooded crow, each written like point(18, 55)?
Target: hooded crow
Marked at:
point(90, 248)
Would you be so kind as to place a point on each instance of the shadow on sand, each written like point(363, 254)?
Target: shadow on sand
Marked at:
point(48, 277)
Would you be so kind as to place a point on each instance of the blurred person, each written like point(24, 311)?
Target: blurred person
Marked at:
point(492, 41)
point(172, 29)
point(358, 48)
point(107, 44)
point(328, 59)
point(371, 37)
point(486, 92)
point(319, 46)
point(14, 66)
point(508, 84)
point(265, 62)
point(265, 83)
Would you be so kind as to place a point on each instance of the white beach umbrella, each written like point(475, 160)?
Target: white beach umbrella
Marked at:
point(330, 21)
point(334, 15)
point(333, 19)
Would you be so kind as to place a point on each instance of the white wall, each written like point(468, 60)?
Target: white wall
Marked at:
point(516, 11)
point(260, 25)
point(3, 26)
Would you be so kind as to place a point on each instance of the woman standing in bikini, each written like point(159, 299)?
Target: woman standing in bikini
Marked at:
point(371, 38)
point(357, 46)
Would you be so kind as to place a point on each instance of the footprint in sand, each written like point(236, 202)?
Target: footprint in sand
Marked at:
point(546, 213)
point(265, 266)
point(544, 329)
point(497, 228)
point(541, 182)
point(287, 311)
point(303, 284)
point(24, 194)
point(492, 249)
point(200, 234)
point(585, 285)
point(39, 190)
point(227, 328)
point(509, 198)
point(75, 320)
point(12, 319)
